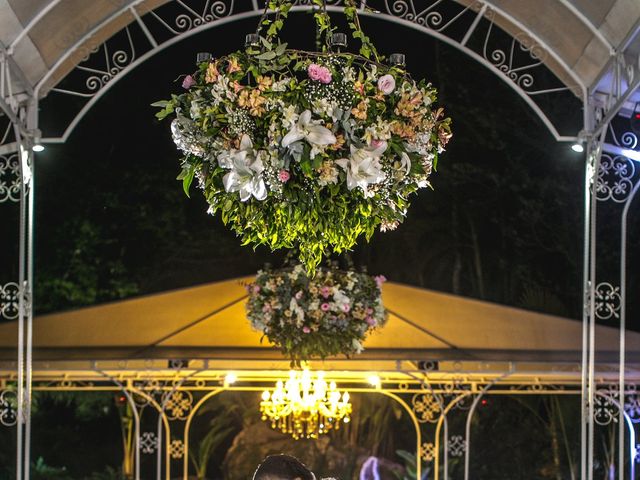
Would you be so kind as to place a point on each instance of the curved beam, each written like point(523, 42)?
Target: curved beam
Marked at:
point(253, 13)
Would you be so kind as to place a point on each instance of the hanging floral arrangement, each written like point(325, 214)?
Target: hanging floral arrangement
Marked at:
point(306, 150)
point(307, 317)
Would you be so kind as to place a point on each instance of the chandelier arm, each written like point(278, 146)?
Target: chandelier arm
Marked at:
point(263, 17)
point(367, 48)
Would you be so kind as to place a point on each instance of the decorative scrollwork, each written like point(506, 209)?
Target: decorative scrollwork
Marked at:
point(191, 18)
point(148, 442)
point(457, 446)
point(604, 409)
point(8, 410)
point(430, 16)
point(607, 301)
point(176, 449)
point(10, 300)
point(177, 404)
point(615, 176)
point(632, 404)
point(151, 387)
point(103, 65)
point(428, 452)
point(517, 72)
point(10, 178)
point(427, 407)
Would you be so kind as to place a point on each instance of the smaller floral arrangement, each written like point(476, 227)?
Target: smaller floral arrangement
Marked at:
point(321, 316)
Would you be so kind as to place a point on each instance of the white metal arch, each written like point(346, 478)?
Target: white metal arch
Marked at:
point(498, 60)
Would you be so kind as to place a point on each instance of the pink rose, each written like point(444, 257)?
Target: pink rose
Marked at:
point(386, 84)
point(306, 329)
point(319, 73)
point(325, 291)
point(324, 307)
point(371, 321)
point(346, 308)
point(380, 279)
point(283, 176)
point(188, 82)
point(326, 76)
point(298, 295)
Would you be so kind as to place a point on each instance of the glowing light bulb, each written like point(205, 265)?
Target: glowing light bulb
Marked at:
point(374, 380)
point(577, 147)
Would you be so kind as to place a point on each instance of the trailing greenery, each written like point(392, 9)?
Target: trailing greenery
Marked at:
point(306, 150)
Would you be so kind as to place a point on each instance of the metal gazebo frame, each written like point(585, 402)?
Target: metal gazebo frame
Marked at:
point(491, 35)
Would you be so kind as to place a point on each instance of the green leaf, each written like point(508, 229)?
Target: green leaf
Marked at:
point(187, 175)
point(270, 55)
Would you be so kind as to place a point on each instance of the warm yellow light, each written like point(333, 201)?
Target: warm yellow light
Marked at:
point(305, 406)
point(230, 379)
point(374, 381)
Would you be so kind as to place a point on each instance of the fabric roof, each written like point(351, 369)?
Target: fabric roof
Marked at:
point(580, 34)
point(209, 321)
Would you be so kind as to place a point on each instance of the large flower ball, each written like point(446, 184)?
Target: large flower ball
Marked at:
point(306, 151)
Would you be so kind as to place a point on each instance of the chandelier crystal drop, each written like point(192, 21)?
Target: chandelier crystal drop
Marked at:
point(305, 405)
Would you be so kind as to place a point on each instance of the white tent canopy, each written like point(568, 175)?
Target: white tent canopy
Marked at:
point(208, 323)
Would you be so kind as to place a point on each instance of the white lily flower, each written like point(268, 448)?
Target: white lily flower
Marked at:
point(246, 168)
point(309, 130)
point(363, 167)
point(297, 310)
point(403, 167)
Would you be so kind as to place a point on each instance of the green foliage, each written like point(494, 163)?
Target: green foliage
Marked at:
point(41, 471)
point(411, 466)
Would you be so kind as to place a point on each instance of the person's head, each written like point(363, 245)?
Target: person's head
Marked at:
point(282, 467)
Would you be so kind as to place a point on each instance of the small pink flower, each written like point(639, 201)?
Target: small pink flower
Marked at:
point(188, 82)
point(326, 76)
point(325, 291)
point(378, 143)
point(306, 329)
point(255, 288)
point(371, 321)
point(346, 307)
point(386, 84)
point(380, 279)
point(369, 311)
point(319, 73)
point(298, 295)
point(237, 87)
point(324, 307)
point(266, 308)
point(284, 176)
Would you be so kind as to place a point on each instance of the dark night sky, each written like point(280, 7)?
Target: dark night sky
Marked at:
point(505, 212)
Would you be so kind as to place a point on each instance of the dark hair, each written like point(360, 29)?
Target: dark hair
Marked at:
point(282, 467)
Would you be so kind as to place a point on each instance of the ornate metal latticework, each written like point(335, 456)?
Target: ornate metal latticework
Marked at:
point(470, 28)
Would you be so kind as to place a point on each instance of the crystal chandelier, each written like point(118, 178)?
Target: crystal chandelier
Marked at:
point(305, 406)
